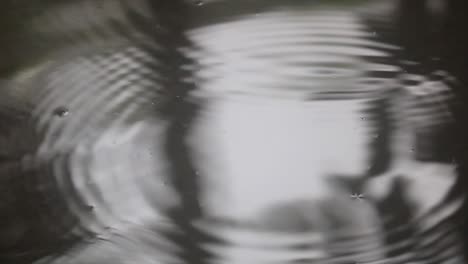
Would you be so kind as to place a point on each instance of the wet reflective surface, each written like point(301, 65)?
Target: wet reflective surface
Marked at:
point(233, 132)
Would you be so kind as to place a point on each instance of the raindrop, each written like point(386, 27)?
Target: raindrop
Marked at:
point(61, 111)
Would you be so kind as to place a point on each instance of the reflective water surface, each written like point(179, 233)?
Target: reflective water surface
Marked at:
point(242, 132)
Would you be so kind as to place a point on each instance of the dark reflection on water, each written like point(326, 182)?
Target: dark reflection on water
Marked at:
point(241, 131)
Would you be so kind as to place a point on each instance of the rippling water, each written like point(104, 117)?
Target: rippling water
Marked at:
point(241, 132)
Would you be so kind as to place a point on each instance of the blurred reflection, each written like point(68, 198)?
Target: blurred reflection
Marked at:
point(225, 131)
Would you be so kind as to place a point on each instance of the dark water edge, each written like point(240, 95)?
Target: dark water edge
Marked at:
point(45, 217)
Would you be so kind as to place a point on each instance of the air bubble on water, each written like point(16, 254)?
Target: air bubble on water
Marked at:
point(61, 111)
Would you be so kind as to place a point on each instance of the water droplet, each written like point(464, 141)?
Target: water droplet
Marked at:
point(198, 2)
point(61, 111)
point(357, 196)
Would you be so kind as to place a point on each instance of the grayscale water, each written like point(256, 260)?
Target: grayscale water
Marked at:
point(233, 132)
